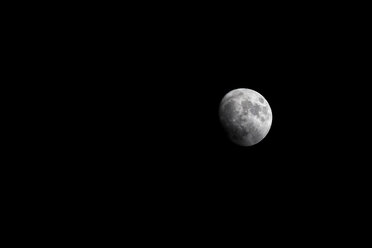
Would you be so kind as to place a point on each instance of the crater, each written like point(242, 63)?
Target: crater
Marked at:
point(261, 100)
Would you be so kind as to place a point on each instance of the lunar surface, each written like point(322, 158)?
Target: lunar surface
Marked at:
point(246, 116)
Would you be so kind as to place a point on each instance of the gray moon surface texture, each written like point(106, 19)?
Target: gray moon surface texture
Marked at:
point(245, 116)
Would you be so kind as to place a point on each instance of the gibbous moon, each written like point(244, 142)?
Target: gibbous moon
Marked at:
point(246, 116)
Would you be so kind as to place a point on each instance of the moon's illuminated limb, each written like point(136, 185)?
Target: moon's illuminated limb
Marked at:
point(250, 118)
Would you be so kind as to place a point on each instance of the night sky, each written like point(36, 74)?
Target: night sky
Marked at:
point(163, 103)
point(142, 123)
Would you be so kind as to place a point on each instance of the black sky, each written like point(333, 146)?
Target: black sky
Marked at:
point(158, 95)
point(144, 123)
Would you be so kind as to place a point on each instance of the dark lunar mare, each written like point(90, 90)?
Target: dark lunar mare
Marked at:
point(256, 109)
point(246, 105)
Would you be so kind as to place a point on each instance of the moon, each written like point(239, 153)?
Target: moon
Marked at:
point(245, 116)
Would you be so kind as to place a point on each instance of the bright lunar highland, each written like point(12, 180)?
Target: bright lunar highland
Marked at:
point(246, 116)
